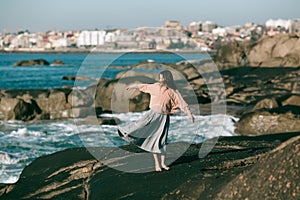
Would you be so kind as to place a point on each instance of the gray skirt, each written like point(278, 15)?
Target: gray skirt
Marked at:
point(149, 133)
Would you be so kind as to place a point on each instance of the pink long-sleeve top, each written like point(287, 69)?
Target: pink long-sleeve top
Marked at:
point(164, 100)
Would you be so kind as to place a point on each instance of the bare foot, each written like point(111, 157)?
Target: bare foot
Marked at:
point(165, 167)
point(157, 168)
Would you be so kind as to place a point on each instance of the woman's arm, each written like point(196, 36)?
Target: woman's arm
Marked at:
point(133, 86)
point(184, 106)
point(146, 88)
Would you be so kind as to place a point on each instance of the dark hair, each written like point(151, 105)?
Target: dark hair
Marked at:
point(169, 80)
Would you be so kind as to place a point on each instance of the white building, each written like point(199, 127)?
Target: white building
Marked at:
point(110, 36)
point(279, 23)
point(219, 31)
point(91, 38)
point(58, 42)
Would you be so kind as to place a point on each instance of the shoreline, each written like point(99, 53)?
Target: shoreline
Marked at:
point(116, 51)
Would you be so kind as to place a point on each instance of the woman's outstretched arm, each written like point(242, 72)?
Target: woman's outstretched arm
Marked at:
point(133, 86)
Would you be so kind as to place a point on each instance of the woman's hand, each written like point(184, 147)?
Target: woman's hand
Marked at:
point(131, 87)
point(192, 119)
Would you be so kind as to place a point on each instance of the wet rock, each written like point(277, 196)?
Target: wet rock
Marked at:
point(108, 121)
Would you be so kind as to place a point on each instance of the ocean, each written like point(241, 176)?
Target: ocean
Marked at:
point(22, 142)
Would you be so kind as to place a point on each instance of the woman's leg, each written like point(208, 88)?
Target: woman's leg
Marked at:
point(163, 164)
point(157, 166)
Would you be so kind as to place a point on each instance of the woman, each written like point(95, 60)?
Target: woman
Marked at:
point(151, 131)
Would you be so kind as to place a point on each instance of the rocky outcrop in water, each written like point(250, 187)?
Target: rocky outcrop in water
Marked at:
point(38, 62)
point(262, 167)
point(58, 62)
point(33, 62)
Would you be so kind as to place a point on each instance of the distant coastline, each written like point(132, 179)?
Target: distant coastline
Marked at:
point(103, 51)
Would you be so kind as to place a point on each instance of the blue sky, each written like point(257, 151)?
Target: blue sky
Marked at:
point(43, 15)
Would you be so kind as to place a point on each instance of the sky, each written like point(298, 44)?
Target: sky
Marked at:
point(45, 15)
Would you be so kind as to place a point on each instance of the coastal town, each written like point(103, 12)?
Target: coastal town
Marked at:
point(197, 36)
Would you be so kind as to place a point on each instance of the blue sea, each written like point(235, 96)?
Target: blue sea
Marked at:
point(94, 65)
point(22, 142)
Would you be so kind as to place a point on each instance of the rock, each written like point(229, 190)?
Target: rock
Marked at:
point(132, 73)
point(33, 62)
point(76, 174)
point(274, 176)
point(19, 109)
point(57, 105)
point(73, 78)
point(230, 55)
point(266, 103)
point(268, 51)
point(80, 98)
point(293, 100)
point(269, 121)
point(253, 84)
point(113, 96)
point(34, 104)
point(27, 111)
point(58, 62)
point(7, 106)
point(109, 121)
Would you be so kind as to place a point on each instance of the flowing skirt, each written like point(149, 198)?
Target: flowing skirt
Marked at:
point(149, 133)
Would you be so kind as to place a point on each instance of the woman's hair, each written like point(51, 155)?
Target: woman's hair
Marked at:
point(169, 80)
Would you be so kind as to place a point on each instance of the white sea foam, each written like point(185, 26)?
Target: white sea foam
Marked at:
point(24, 132)
point(6, 159)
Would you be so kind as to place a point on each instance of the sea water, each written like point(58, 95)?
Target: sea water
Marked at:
point(94, 65)
point(22, 142)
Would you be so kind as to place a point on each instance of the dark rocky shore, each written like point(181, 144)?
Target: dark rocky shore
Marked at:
point(261, 163)
point(241, 167)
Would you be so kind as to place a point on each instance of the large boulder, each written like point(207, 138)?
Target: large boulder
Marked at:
point(230, 55)
point(19, 109)
point(27, 111)
point(269, 51)
point(269, 121)
point(54, 104)
point(111, 95)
